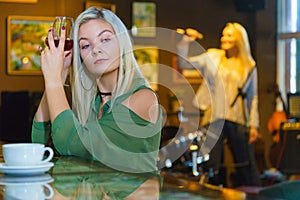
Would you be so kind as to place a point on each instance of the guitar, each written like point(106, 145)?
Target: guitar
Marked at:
point(274, 123)
point(277, 117)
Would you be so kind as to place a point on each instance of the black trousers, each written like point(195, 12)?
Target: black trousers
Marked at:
point(243, 154)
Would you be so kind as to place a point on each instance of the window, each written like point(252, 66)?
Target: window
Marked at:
point(288, 46)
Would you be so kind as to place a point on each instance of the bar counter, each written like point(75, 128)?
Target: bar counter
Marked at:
point(76, 178)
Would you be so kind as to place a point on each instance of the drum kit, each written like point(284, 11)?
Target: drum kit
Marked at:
point(183, 152)
point(181, 158)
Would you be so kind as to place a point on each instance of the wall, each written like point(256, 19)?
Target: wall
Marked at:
point(209, 17)
point(265, 52)
point(199, 14)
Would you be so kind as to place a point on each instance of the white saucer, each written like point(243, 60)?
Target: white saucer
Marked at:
point(25, 180)
point(25, 170)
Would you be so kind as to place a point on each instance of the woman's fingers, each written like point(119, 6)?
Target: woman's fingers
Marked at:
point(40, 49)
point(54, 41)
point(62, 38)
point(68, 58)
point(51, 43)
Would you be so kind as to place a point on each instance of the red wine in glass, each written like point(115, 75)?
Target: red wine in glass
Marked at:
point(68, 43)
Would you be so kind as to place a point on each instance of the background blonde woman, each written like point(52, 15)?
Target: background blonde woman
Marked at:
point(228, 98)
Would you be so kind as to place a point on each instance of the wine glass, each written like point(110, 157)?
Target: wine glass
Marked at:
point(58, 23)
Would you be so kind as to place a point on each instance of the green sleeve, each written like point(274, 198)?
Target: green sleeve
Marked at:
point(65, 135)
point(40, 132)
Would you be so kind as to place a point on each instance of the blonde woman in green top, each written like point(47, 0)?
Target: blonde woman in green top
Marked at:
point(115, 116)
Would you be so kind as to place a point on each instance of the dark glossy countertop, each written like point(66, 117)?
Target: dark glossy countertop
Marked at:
point(74, 178)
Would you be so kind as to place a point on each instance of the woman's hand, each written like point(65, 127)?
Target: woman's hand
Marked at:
point(193, 34)
point(253, 135)
point(54, 60)
point(190, 34)
point(67, 63)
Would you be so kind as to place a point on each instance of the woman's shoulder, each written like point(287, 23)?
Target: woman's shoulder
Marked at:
point(146, 94)
point(144, 102)
point(215, 55)
point(215, 52)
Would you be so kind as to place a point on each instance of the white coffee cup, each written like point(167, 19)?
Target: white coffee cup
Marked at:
point(25, 154)
point(28, 191)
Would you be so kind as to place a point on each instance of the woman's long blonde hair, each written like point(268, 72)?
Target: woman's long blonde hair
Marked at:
point(84, 86)
point(243, 45)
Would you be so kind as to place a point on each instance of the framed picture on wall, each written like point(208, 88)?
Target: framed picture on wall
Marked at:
point(19, 1)
point(107, 6)
point(24, 35)
point(143, 19)
point(147, 58)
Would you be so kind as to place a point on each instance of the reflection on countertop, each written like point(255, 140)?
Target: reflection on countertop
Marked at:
point(76, 178)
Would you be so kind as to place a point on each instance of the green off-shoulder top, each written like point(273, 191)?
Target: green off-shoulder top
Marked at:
point(119, 139)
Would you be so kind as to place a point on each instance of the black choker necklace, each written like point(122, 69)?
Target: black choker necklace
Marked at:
point(105, 93)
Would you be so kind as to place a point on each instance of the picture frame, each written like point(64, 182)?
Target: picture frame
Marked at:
point(147, 58)
point(19, 1)
point(108, 6)
point(144, 19)
point(24, 35)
